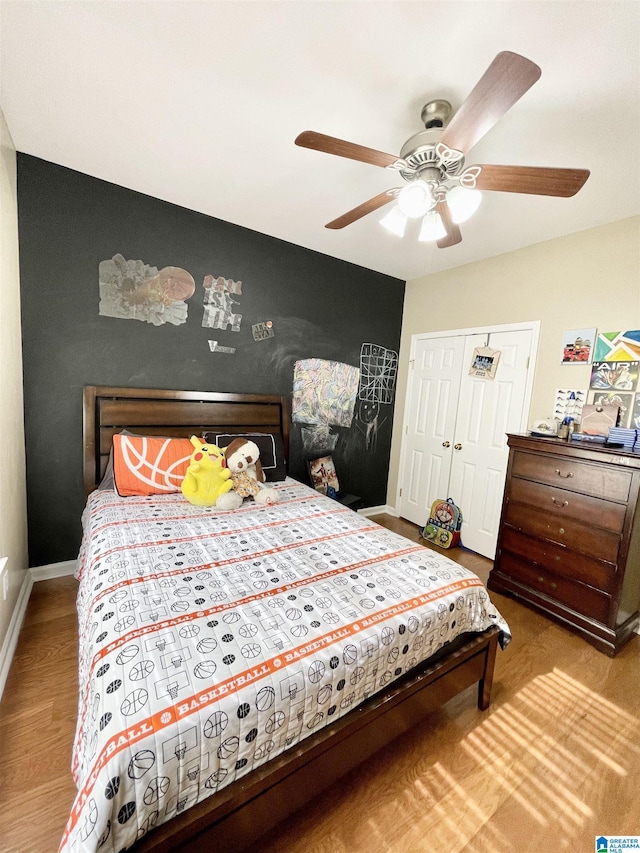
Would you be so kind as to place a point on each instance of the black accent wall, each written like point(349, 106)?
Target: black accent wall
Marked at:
point(320, 307)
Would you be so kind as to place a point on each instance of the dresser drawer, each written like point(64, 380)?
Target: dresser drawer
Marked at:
point(603, 481)
point(580, 598)
point(559, 560)
point(568, 505)
point(596, 543)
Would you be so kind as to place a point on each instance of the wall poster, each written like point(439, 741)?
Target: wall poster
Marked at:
point(618, 346)
point(577, 346)
point(614, 375)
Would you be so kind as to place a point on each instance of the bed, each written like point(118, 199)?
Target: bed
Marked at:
point(233, 665)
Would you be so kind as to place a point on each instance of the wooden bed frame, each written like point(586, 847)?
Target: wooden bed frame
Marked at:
point(236, 817)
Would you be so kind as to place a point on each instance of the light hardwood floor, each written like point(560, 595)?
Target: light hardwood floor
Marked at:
point(552, 764)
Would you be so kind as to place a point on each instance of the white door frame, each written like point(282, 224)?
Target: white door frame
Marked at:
point(532, 325)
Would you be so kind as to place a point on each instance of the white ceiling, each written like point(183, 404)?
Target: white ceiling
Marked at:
point(199, 103)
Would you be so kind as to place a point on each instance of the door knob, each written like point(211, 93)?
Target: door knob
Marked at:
point(446, 444)
point(457, 447)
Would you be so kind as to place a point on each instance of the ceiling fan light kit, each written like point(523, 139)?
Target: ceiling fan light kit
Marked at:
point(416, 199)
point(463, 203)
point(395, 221)
point(432, 162)
point(432, 228)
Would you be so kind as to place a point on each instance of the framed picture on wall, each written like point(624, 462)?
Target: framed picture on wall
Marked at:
point(323, 475)
point(577, 346)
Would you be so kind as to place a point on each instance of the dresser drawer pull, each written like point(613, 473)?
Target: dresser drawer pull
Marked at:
point(558, 504)
point(566, 476)
point(551, 584)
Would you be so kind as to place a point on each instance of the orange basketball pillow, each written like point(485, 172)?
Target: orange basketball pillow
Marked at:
point(145, 465)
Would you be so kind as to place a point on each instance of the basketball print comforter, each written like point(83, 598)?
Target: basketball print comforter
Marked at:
point(211, 642)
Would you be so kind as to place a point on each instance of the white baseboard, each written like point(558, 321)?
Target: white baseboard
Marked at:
point(53, 570)
point(13, 631)
point(377, 510)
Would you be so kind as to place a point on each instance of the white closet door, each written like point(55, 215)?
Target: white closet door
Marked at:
point(433, 388)
point(488, 409)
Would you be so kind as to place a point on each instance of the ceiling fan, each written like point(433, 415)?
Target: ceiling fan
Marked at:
point(439, 187)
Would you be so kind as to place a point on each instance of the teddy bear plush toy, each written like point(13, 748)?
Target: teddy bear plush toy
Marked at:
point(243, 461)
point(207, 478)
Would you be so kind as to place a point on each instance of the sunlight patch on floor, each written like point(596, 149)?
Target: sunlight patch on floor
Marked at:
point(551, 750)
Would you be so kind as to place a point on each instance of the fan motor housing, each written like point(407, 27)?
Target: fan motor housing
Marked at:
point(419, 151)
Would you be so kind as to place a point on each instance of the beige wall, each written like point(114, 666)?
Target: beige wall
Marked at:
point(590, 279)
point(13, 513)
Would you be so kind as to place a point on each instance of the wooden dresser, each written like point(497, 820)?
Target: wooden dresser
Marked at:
point(569, 540)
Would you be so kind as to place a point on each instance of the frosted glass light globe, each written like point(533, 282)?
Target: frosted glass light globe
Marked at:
point(463, 203)
point(415, 199)
point(395, 221)
point(432, 228)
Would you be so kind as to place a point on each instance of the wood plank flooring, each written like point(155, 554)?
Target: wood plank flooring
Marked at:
point(552, 764)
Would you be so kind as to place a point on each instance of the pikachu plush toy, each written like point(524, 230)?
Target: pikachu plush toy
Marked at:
point(207, 477)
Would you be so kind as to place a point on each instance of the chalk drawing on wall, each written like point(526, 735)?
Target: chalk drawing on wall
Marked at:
point(378, 371)
point(218, 303)
point(368, 422)
point(133, 290)
point(318, 438)
point(324, 392)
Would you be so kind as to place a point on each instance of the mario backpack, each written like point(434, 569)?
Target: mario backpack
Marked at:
point(443, 526)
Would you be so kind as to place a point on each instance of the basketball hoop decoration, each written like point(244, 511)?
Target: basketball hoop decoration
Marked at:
point(484, 363)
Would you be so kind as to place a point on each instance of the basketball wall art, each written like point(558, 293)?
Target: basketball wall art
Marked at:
point(133, 290)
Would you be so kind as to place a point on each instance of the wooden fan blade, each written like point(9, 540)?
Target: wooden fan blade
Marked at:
point(453, 232)
point(332, 145)
point(536, 180)
point(364, 208)
point(503, 83)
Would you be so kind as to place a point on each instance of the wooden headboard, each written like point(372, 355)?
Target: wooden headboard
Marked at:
point(174, 413)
